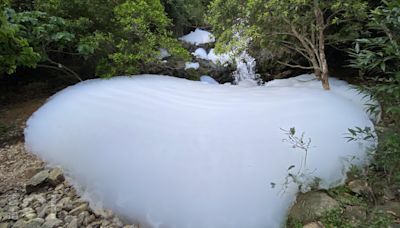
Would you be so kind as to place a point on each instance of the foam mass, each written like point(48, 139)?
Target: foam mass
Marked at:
point(168, 152)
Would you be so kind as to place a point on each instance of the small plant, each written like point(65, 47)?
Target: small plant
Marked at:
point(302, 174)
point(359, 134)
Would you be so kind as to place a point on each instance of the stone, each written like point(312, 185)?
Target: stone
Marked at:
point(37, 182)
point(4, 225)
point(88, 219)
point(53, 222)
point(42, 212)
point(30, 215)
point(19, 224)
point(73, 223)
point(34, 223)
point(117, 222)
point(311, 206)
point(3, 203)
point(30, 172)
point(69, 218)
point(64, 201)
point(103, 213)
point(56, 177)
point(105, 223)
point(82, 216)
point(314, 225)
point(392, 208)
point(81, 208)
point(359, 187)
point(354, 213)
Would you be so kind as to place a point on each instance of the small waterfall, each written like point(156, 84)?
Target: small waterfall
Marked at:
point(245, 69)
point(245, 73)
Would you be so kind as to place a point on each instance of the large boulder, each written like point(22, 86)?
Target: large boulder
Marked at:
point(311, 206)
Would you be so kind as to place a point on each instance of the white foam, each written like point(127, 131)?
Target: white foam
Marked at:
point(190, 65)
point(168, 152)
point(198, 37)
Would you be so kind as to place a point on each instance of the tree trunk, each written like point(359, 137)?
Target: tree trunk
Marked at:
point(325, 75)
point(319, 17)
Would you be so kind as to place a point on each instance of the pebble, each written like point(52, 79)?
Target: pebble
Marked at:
point(52, 207)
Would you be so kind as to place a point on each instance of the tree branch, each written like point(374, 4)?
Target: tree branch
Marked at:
point(296, 66)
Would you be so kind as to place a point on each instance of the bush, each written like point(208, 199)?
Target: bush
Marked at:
point(378, 59)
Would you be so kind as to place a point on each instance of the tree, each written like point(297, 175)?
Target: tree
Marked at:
point(118, 37)
point(122, 36)
point(14, 49)
point(185, 14)
point(42, 35)
point(304, 27)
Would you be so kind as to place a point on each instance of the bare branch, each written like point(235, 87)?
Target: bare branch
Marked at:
point(297, 66)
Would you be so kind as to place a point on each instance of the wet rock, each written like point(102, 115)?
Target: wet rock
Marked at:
point(311, 206)
point(37, 182)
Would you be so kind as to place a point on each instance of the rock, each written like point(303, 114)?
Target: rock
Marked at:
point(103, 213)
point(392, 208)
point(53, 222)
point(73, 223)
point(34, 223)
point(19, 224)
point(117, 222)
point(29, 173)
point(4, 225)
point(51, 216)
point(82, 216)
point(81, 208)
point(30, 216)
point(64, 201)
point(88, 219)
point(56, 177)
point(314, 225)
point(105, 223)
point(311, 206)
point(37, 182)
point(355, 213)
point(388, 194)
point(69, 218)
point(42, 212)
point(359, 187)
point(94, 224)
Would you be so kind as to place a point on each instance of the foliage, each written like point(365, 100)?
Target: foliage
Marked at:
point(185, 14)
point(123, 36)
point(303, 27)
point(15, 50)
point(143, 31)
point(117, 37)
point(379, 55)
point(45, 35)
